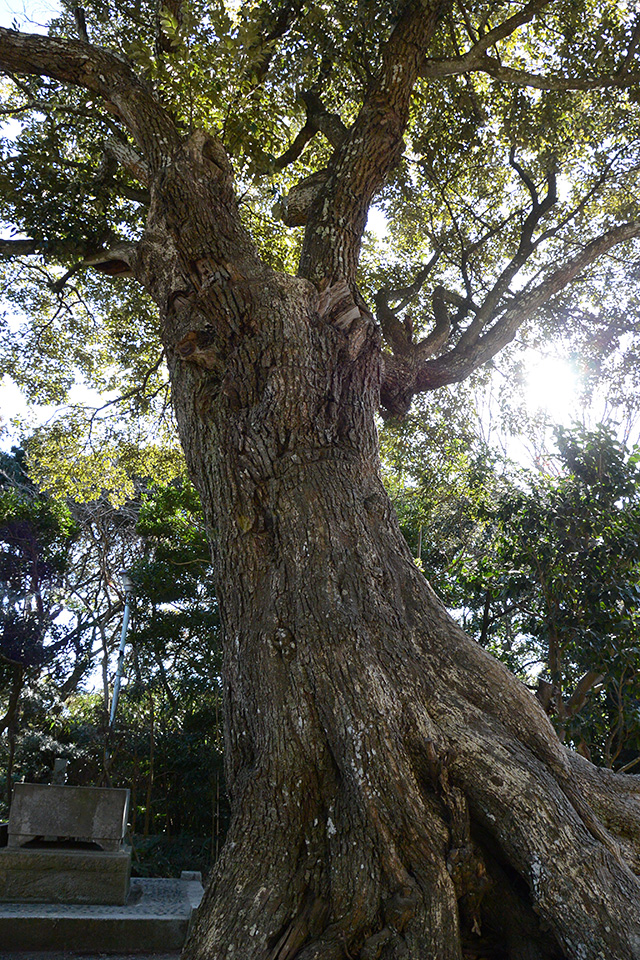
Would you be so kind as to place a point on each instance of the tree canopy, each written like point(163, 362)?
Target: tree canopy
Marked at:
point(510, 198)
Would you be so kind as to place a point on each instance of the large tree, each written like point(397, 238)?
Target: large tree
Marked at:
point(394, 789)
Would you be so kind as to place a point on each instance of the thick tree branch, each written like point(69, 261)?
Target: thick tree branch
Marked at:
point(526, 247)
point(437, 338)
point(477, 60)
point(104, 74)
point(116, 261)
point(395, 332)
point(291, 154)
point(615, 797)
point(329, 124)
point(18, 248)
point(319, 120)
point(399, 333)
point(81, 24)
point(509, 26)
point(371, 149)
point(128, 158)
point(406, 375)
point(448, 369)
point(578, 698)
point(467, 62)
point(437, 69)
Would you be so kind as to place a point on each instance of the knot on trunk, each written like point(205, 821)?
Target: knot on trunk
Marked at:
point(199, 347)
point(336, 305)
point(294, 209)
point(398, 386)
point(373, 947)
point(400, 908)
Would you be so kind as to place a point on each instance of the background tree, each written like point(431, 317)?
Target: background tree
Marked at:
point(36, 536)
point(394, 789)
point(542, 568)
point(166, 744)
point(560, 567)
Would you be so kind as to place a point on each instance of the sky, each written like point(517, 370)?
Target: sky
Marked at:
point(32, 15)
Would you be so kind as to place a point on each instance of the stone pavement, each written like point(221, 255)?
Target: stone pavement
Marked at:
point(154, 921)
point(30, 955)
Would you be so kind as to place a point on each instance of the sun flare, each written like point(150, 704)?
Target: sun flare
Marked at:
point(552, 387)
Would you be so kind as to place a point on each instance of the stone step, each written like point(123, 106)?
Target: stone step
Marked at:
point(155, 918)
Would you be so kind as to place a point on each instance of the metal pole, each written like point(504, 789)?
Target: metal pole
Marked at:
point(120, 668)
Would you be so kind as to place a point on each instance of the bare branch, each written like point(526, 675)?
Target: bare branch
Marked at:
point(524, 78)
point(476, 55)
point(509, 26)
point(135, 391)
point(406, 294)
point(394, 331)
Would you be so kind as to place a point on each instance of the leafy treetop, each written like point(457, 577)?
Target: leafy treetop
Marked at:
point(499, 139)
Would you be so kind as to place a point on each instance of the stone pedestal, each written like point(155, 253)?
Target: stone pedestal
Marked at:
point(65, 846)
point(85, 814)
point(37, 875)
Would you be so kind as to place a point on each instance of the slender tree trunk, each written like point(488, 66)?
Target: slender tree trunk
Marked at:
point(134, 791)
point(10, 724)
point(148, 821)
point(105, 675)
point(215, 817)
point(394, 789)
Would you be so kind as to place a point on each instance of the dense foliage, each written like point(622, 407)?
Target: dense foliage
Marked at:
point(509, 168)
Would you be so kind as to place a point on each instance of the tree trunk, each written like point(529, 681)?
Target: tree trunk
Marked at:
point(395, 791)
point(10, 723)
